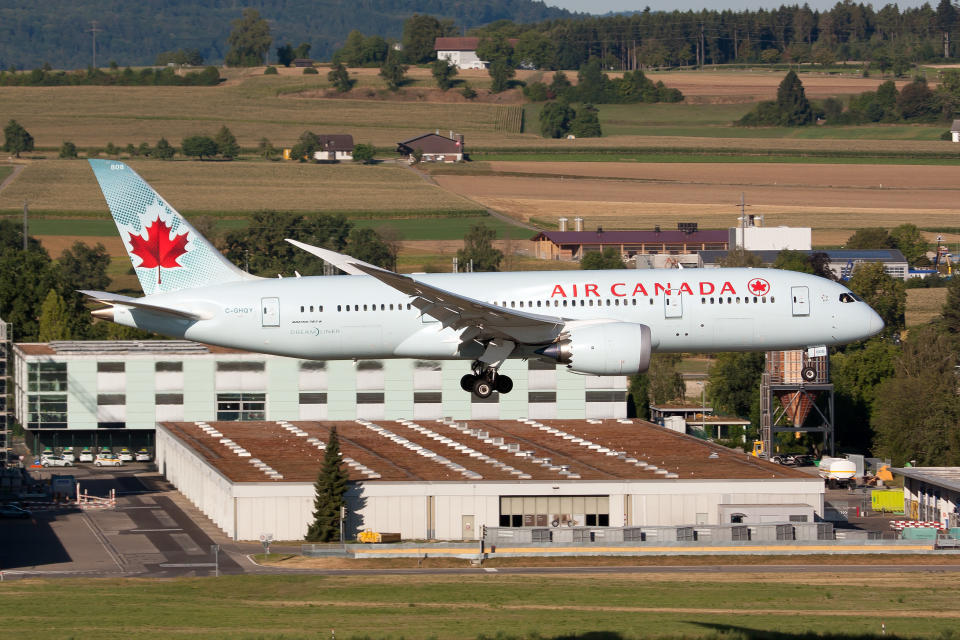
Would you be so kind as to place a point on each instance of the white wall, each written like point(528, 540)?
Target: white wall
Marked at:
point(772, 238)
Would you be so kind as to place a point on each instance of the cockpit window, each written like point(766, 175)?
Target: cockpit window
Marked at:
point(847, 296)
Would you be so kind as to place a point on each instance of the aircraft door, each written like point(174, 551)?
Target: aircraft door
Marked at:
point(672, 304)
point(270, 312)
point(801, 300)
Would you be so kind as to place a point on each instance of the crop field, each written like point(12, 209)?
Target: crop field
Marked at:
point(833, 200)
point(232, 188)
point(281, 107)
point(923, 305)
point(615, 607)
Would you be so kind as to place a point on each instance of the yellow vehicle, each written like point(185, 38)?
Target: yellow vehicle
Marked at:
point(372, 537)
point(758, 451)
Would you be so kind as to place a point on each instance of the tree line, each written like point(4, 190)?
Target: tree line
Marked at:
point(915, 102)
point(47, 77)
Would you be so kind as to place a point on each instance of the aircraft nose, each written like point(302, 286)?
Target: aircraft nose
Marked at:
point(874, 323)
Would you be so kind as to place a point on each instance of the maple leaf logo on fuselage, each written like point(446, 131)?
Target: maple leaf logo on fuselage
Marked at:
point(758, 287)
point(158, 250)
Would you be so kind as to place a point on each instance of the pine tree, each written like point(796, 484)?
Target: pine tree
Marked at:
point(227, 143)
point(792, 102)
point(330, 487)
point(340, 77)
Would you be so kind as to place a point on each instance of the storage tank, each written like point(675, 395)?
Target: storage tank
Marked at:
point(837, 469)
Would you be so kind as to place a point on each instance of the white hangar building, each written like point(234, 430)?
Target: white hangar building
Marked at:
point(446, 480)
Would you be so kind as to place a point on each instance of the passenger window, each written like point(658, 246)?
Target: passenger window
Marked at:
point(564, 303)
point(538, 303)
point(338, 308)
point(320, 308)
point(301, 308)
point(311, 308)
point(844, 297)
point(634, 302)
point(772, 299)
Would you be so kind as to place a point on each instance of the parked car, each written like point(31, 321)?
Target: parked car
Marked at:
point(13, 511)
point(108, 460)
point(54, 461)
point(86, 455)
point(143, 455)
point(126, 455)
point(68, 454)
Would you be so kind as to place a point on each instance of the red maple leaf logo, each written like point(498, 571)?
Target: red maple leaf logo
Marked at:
point(758, 286)
point(158, 249)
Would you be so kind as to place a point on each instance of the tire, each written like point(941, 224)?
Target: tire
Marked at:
point(466, 382)
point(809, 374)
point(504, 384)
point(482, 388)
point(45, 465)
point(97, 464)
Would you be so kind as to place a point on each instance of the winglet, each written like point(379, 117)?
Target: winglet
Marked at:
point(341, 261)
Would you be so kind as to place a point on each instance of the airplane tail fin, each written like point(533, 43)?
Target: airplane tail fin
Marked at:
point(167, 253)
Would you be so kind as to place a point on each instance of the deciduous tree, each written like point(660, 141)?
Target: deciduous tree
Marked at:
point(555, 117)
point(478, 249)
point(164, 150)
point(339, 77)
point(55, 322)
point(199, 146)
point(887, 296)
point(365, 244)
point(249, 40)
point(16, 138)
point(393, 71)
point(586, 122)
point(364, 153)
point(443, 72)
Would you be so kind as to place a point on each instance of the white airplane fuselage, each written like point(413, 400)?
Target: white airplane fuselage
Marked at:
point(355, 316)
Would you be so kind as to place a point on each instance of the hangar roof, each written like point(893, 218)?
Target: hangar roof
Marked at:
point(476, 450)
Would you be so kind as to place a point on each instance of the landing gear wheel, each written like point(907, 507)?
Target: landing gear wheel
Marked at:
point(504, 384)
point(809, 374)
point(466, 382)
point(482, 388)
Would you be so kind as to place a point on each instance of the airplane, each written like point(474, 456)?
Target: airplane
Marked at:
point(595, 322)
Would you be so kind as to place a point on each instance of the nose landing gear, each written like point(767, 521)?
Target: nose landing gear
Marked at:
point(485, 380)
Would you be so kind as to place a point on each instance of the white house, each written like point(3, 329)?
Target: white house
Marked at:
point(955, 131)
point(334, 147)
point(462, 52)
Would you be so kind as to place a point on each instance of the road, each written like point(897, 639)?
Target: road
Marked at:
point(155, 532)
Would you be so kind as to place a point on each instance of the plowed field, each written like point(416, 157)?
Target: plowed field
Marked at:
point(832, 199)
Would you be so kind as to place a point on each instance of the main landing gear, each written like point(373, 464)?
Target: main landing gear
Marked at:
point(485, 380)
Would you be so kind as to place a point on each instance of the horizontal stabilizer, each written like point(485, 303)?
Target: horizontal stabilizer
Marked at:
point(138, 303)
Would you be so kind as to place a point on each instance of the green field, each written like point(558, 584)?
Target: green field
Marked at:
point(485, 606)
point(4, 172)
point(716, 121)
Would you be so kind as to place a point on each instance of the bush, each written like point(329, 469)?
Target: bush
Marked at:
point(468, 92)
point(364, 153)
point(310, 71)
point(69, 150)
point(270, 71)
point(536, 92)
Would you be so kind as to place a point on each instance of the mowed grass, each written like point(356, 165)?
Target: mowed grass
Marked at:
point(923, 305)
point(463, 607)
point(4, 172)
point(226, 188)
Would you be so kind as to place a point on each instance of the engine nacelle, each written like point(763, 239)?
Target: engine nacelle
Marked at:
point(608, 349)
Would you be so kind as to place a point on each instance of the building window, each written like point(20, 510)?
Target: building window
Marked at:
point(369, 397)
point(110, 399)
point(168, 398)
point(47, 376)
point(541, 396)
point(535, 364)
point(605, 396)
point(168, 366)
point(241, 407)
point(110, 367)
point(313, 398)
point(47, 411)
point(241, 366)
point(555, 511)
point(313, 365)
point(427, 397)
point(369, 365)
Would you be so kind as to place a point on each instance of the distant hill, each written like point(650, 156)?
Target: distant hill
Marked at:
point(133, 33)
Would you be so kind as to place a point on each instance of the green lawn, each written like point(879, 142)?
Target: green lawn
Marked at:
point(4, 172)
point(584, 606)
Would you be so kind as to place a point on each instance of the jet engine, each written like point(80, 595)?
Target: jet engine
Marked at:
point(608, 349)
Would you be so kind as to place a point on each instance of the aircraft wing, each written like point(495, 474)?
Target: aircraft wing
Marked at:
point(481, 319)
point(138, 303)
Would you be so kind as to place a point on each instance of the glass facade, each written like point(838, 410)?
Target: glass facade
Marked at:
point(555, 511)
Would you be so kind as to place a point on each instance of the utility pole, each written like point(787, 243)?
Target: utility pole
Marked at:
point(743, 222)
point(93, 32)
